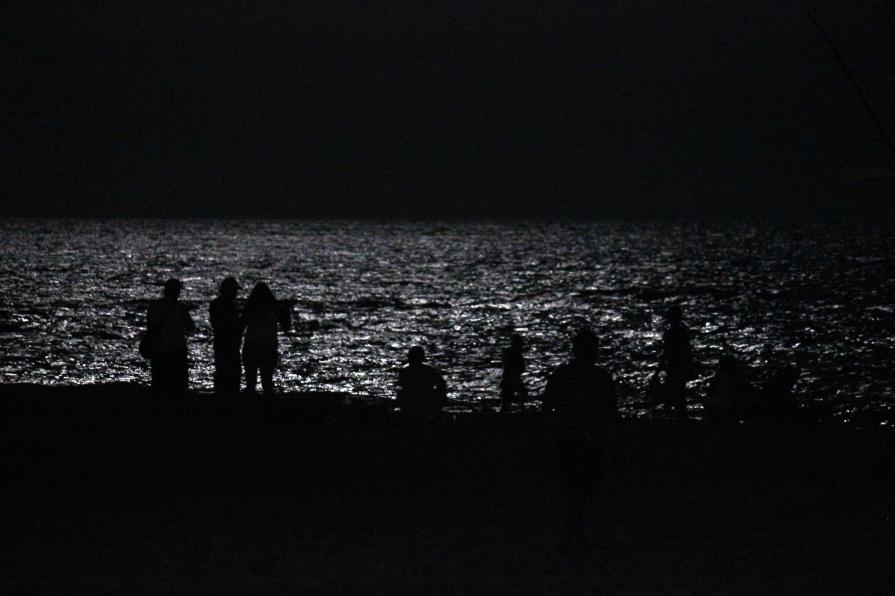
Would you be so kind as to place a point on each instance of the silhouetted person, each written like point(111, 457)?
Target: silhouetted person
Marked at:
point(227, 329)
point(262, 315)
point(512, 387)
point(422, 391)
point(676, 360)
point(778, 393)
point(729, 395)
point(579, 403)
point(169, 322)
point(732, 397)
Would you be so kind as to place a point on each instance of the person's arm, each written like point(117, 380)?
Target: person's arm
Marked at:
point(440, 389)
point(188, 324)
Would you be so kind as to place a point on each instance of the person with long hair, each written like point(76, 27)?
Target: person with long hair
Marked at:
point(262, 316)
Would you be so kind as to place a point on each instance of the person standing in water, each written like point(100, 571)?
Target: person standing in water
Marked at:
point(676, 360)
point(227, 329)
point(168, 322)
point(579, 405)
point(262, 315)
point(512, 387)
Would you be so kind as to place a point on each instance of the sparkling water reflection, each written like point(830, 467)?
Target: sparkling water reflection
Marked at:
point(75, 294)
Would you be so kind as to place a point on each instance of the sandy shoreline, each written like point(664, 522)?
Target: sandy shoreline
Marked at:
point(111, 491)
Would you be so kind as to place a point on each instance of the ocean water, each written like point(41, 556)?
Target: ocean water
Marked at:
point(823, 296)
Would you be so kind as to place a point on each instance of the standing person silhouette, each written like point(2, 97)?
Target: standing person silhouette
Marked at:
point(422, 390)
point(168, 321)
point(676, 360)
point(512, 387)
point(579, 404)
point(261, 316)
point(227, 329)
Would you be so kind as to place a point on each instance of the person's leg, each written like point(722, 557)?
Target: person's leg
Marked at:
point(568, 463)
point(675, 393)
point(220, 370)
point(156, 375)
point(182, 372)
point(681, 397)
point(591, 481)
point(506, 396)
point(166, 373)
point(582, 464)
point(250, 361)
point(228, 371)
point(267, 368)
point(233, 372)
point(267, 379)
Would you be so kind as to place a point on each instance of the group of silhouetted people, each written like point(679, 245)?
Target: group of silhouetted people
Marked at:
point(578, 403)
point(245, 342)
point(244, 339)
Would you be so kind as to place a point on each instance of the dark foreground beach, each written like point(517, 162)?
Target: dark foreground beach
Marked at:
point(108, 491)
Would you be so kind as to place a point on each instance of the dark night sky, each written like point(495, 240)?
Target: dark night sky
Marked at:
point(450, 109)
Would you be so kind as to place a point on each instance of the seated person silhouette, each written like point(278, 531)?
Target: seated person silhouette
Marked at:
point(421, 388)
point(729, 396)
point(512, 387)
point(778, 393)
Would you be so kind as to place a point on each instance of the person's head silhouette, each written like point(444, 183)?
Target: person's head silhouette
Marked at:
point(674, 314)
point(261, 294)
point(416, 355)
point(172, 289)
point(584, 346)
point(228, 288)
point(517, 342)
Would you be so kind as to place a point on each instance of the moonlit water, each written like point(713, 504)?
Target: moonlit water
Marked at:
point(75, 293)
